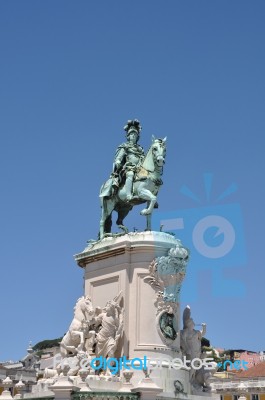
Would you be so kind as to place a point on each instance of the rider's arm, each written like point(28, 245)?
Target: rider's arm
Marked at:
point(203, 331)
point(119, 157)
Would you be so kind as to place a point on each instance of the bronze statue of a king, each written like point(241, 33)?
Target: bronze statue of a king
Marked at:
point(135, 179)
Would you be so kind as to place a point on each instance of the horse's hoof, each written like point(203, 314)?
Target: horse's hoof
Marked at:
point(144, 212)
point(123, 228)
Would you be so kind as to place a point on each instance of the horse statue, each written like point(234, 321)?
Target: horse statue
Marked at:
point(146, 184)
point(73, 341)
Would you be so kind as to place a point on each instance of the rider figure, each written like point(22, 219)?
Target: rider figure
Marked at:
point(127, 158)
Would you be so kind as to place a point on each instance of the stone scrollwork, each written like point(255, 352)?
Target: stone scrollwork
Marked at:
point(179, 388)
point(166, 275)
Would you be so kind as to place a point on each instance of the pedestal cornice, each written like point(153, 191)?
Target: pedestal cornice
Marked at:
point(113, 246)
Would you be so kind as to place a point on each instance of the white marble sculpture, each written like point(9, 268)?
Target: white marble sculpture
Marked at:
point(110, 320)
point(93, 332)
point(74, 340)
point(190, 344)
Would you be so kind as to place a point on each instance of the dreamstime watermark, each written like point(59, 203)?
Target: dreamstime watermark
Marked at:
point(117, 364)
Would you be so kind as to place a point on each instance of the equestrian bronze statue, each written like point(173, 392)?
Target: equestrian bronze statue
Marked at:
point(135, 179)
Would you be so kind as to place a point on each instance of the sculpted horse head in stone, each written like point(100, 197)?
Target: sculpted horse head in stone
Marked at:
point(73, 340)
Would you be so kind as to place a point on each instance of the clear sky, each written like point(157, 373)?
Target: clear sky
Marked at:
point(71, 74)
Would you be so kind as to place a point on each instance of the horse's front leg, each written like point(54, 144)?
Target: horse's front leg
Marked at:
point(107, 207)
point(82, 341)
point(151, 198)
point(148, 222)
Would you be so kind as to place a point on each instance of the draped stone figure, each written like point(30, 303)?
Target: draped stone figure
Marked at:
point(110, 321)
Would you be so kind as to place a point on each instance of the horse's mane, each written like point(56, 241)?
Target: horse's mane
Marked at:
point(148, 163)
point(78, 301)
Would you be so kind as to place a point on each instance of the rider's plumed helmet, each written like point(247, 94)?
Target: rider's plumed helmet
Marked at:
point(133, 125)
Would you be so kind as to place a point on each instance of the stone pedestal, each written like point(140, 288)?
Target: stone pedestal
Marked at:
point(121, 264)
point(7, 384)
point(116, 264)
point(148, 389)
point(63, 387)
point(19, 388)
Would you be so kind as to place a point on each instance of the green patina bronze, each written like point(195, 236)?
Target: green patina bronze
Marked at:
point(135, 179)
point(166, 324)
point(42, 398)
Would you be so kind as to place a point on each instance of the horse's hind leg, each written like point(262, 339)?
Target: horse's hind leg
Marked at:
point(107, 207)
point(148, 221)
point(65, 345)
point(108, 224)
point(105, 225)
point(103, 219)
point(122, 213)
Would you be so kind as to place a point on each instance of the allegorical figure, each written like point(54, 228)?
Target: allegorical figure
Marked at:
point(110, 321)
point(127, 159)
point(190, 341)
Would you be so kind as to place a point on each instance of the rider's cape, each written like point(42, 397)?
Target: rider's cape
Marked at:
point(106, 190)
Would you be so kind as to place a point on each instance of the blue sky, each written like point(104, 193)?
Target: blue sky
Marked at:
point(71, 74)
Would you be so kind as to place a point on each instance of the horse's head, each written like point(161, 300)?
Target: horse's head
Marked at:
point(84, 307)
point(159, 151)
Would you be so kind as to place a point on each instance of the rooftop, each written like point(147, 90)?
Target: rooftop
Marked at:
point(256, 371)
